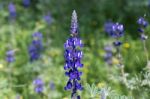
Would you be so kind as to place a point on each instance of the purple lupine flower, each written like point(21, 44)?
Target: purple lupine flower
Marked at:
point(109, 54)
point(12, 10)
point(10, 56)
point(38, 85)
point(74, 24)
point(36, 46)
point(141, 21)
point(48, 18)
point(108, 27)
point(26, 3)
point(52, 85)
point(114, 29)
point(143, 24)
point(117, 30)
point(73, 58)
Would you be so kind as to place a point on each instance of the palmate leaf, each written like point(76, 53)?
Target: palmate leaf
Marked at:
point(146, 80)
point(92, 90)
point(121, 97)
point(106, 91)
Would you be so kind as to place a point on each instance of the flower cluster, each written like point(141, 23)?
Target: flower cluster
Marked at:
point(12, 10)
point(115, 30)
point(39, 85)
point(48, 18)
point(26, 3)
point(73, 56)
point(36, 46)
point(108, 27)
point(10, 56)
point(52, 85)
point(143, 24)
point(109, 54)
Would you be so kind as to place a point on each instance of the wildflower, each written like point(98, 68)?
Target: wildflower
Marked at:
point(115, 61)
point(114, 29)
point(65, 98)
point(73, 56)
point(26, 3)
point(12, 10)
point(108, 27)
point(126, 45)
point(38, 85)
point(117, 43)
point(143, 24)
point(36, 46)
point(141, 21)
point(48, 18)
point(1, 66)
point(108, 54)
point(52, 85)
point(10, 56)
point(118, 30)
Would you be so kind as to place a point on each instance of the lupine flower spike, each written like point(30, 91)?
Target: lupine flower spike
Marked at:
point(116, 30)
point(10, 56)
point(143, 24)
point(38, 85)
point(12, 10)
point(36, 46)
point(26, 3)
point(73, 56)
point(52, 85)
point(108, 54)
point(48, 18)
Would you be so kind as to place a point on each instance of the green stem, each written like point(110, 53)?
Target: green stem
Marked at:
point(121, 64)
point(9, 76)
point(146, 51)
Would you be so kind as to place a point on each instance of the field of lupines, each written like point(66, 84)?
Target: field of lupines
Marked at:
point(74, 49)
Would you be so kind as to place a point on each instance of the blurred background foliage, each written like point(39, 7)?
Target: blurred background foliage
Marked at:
point(17, 34)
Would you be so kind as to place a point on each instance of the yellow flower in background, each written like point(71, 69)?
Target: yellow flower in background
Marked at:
point(115, 61)
point(101, 85)
point(1, 66)
point(65, 98)
point(21, 97)
point(126, 45)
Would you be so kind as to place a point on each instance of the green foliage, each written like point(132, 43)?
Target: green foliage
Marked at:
point(16, 80)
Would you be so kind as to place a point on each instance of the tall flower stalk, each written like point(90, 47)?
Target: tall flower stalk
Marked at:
point(10, 58)
point(73, 56)
point(116, 30)
point(143, 24)
point(108, 54)
point(12, 10)
point(36, 46)
point(39, 88)
point(26, 3)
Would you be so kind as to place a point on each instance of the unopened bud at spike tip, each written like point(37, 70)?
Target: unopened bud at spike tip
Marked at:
point(74, 23)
